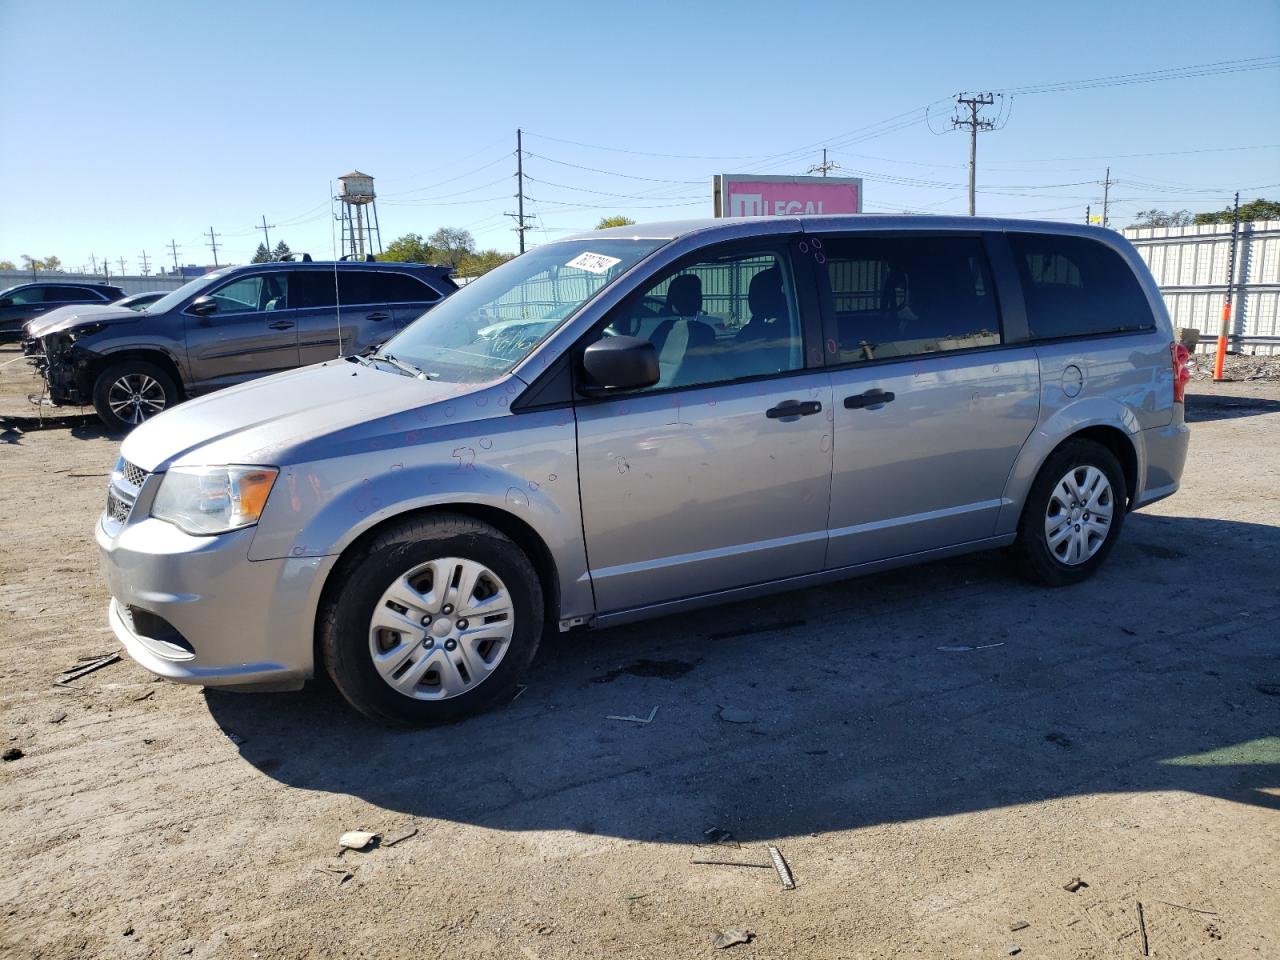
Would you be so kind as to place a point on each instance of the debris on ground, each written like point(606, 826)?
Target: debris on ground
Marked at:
point(144, 696)
point(1074, 884)
point(356, 839)
point(1236, 366)
point(342, 874)
point(736, 715)
point(652, 713)
point(399, 837)
point(58, 716)
point(734, 935)
point(13, 753)
point(1012, 949)
point(965, 648)
point(784, 871)
point(1018, 925)
point(730, 863)
point(720, 836)
point(1142, 925)
point(75, 673)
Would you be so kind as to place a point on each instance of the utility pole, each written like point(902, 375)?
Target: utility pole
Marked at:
point(825, 165)
point(266, 236)
point(1225, 329)
point(106, 269)
point(1088, 211)
point(974, 124)
point(1106, 198)
point(120, 260)
point(173, 248)
point(146, 265)
point(94, 261)
point(520, 216)
point(213, 245)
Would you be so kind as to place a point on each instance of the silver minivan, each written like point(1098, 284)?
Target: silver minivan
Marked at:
point(635, 421)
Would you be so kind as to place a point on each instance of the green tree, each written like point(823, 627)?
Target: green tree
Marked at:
point(617, 220)
point(7, 265)
point(52, 264)
point(281, 251)
point(1253, 210)
point(410, 248)
point(452, 244)
point(480, 262)
point(261, 255)
point(31, 263)
point(1162, 218)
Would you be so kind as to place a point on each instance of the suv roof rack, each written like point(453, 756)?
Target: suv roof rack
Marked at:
point(291, 257)
point(367, 258)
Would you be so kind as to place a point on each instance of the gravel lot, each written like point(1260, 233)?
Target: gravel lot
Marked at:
point(927, 798)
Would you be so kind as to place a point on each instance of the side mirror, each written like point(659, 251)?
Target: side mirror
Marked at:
point(6, 302)
point(619, 363)
point(204, 305)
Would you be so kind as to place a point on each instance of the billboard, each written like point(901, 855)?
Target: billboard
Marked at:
point(751, 195)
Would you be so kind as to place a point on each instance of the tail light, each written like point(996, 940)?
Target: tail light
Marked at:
point(1181, 358)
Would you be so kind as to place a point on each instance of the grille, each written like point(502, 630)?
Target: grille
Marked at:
point(133, 474)
point(118, 508)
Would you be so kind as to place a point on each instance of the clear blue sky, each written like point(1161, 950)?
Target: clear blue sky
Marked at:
point(125, 125)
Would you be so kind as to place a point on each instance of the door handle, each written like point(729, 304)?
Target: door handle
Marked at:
point(281, 325)
point(870, 400)
point(377, 316)
point(793, 409)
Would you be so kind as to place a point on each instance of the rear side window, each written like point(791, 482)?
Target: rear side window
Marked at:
point(1076, 287)
point(313, 288)
point(907, 296)
point(402, 288)
point(71, 295)
point(359, 286)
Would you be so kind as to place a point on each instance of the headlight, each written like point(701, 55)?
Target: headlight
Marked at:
point(87, 330)
point(205, 500)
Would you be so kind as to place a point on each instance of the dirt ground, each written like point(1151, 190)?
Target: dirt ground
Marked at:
point(936, 751)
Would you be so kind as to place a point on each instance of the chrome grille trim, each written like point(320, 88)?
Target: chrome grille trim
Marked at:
point(118, 508)
point(133, 474)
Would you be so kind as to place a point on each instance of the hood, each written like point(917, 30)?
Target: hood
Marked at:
point(269, 421)
point(63, 319)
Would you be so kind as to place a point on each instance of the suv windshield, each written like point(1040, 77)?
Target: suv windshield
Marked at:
point(175, 297)
point(494, 322)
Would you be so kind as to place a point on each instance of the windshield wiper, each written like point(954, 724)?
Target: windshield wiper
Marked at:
point(408, 368)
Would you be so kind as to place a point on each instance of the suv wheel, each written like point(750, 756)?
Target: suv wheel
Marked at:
point(434, 620)
point(130, 392)
point(1073, 514)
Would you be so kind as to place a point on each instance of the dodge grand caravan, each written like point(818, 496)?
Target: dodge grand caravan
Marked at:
point(635, 421)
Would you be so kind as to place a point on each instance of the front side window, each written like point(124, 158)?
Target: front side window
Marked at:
point(29, 295)
point(1075, 286)
point(494, 322)
point(253, 293)
point(906, 296)
point(718, 319)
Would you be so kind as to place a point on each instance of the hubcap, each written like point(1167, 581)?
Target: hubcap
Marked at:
point(136, 397)
point(441, 629)
point(1077, 521)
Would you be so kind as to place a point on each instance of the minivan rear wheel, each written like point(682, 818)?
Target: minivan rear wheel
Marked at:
point(433, 620)
point(1072, 516)
point(130, 392)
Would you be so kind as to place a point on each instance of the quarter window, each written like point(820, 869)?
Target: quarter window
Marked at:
point(906, 296)
point(402, 288)
point(1075, 286)
point(719, 319)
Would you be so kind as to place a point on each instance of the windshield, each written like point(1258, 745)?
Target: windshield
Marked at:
point(494, 322)
point(175, 297)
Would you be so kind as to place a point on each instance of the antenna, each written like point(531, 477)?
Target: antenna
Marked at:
point(333, 237)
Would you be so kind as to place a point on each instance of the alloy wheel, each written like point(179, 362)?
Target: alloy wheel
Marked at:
point(136, 397)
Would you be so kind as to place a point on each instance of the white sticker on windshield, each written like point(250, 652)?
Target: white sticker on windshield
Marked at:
point(593, 262)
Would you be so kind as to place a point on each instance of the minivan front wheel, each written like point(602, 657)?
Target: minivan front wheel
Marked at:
point(1073, 514)
point(130, 392)
point(435, 619)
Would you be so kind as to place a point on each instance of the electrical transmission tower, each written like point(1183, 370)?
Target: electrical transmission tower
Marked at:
point(973, 123)
point(520, 216)
point(825, 166)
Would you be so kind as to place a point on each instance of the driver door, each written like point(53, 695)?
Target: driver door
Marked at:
point(252, 332)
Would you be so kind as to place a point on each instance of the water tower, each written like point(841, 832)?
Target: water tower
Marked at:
point(360, 233)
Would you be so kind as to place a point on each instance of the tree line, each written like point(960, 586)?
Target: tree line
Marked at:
point(1253, 210)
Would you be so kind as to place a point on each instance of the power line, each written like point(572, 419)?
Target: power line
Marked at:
point(1151, 76)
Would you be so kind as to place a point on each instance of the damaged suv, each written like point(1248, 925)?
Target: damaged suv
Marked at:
point(634, 422)
point(224, 328)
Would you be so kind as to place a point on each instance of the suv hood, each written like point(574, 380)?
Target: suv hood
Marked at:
point(61, 319)
point(270, 421)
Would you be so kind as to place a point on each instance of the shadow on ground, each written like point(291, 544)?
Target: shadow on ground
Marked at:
point(1202, 407)
point(860, 707)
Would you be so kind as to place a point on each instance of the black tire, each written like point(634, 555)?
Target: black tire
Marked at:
point(1031, 552)
point(359, 583)
point(142, 373)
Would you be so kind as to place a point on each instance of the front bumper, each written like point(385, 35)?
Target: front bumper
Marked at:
point(197, 610)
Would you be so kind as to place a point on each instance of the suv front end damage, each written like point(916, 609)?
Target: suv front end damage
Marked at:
point(65, 365)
